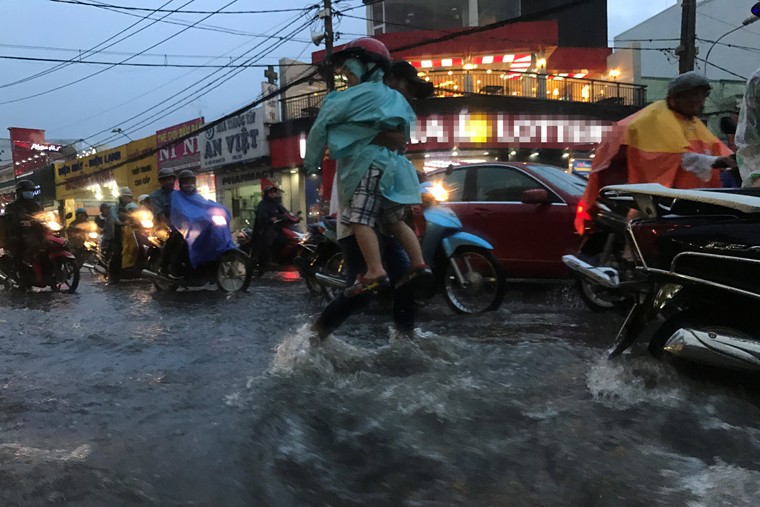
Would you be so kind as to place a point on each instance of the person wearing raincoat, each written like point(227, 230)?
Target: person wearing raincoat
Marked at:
point(748, 134)
point(374, 182)
point(663, 143)
point(201, 222)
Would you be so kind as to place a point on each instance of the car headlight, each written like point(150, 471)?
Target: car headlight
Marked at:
point(219, 220)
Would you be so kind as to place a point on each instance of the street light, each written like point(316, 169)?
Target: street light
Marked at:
point(748, 21)
point(119, 131)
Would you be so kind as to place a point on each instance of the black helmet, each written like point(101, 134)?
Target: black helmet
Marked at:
point(25, 186)
point(166, 173)
point(186, 175)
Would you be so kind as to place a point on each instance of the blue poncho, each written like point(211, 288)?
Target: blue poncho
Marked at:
point(207, 238)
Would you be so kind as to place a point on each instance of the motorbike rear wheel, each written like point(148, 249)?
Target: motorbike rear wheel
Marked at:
point(159, 284)
point(65, 275)
point(485, 281)
point(234, 272)
point(334, 267)
point(597, 298)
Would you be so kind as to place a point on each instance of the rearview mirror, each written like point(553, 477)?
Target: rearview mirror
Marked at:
point(535, 196)
point(68, 215)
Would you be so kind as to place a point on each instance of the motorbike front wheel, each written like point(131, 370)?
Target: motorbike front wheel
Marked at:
point(234, 272)
point(65, 275)
point(484, 282)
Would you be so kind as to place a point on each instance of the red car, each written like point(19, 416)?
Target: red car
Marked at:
point(526, 211)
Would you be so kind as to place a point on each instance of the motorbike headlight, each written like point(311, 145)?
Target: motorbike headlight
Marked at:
point(53, 226)
point(93, 235)
point(219, 220)
point(439, 192)
point(147, 224)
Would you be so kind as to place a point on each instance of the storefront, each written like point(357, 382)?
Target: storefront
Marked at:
point(235, 156)
point(185, 155)
point(88, 181)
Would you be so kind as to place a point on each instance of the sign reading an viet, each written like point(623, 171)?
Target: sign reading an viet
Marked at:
point(182, 155)
point(235, 140)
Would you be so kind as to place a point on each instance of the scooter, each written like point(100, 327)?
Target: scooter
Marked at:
point(286, 248)
point(695, 285)
point(54, 265)
point(467, 273)
point(320, 262)
point(231, 271)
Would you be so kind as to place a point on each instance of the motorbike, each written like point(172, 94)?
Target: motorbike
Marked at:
point(231, 271)
point(694, 287)
point(285, 249)
point(320, 262)
point(467, 273)
point(54, 265)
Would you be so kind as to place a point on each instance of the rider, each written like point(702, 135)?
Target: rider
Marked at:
point(748, 133)
point(121, 217)
point(144, 203)
point(78, 229)
point(266, 234)
point(175, 249)
point(161, 198)
point(21, 240)
point(663, 143)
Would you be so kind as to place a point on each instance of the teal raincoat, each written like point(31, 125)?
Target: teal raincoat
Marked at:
point(348, 122)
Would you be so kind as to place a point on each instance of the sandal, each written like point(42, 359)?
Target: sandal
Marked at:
point(364, 286)
point(417, 278)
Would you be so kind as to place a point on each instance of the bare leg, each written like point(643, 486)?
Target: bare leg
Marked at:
point(409, 241)
point(366, 237)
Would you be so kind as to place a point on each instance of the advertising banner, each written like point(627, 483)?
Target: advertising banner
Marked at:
point(73, 177)
point(505, 130)
point(141, 176)
point(29, 149)
point(182, 155)
point(235, 140)
point(271, 106)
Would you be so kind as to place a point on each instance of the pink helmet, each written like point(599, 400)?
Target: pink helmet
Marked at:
point(366, 50)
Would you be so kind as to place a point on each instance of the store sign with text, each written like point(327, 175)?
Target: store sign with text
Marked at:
point(185, 154)
point(235, 140)
point(505, 130)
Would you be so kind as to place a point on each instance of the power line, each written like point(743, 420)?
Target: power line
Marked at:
point(126, 53)
point(211, 28)
point(135, 64)
point(110, 67)
point(179, 78)
point(195, 94)
point(722, 68)
point(89, 52)
point(129, 8)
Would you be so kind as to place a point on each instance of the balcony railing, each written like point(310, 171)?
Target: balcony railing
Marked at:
point(526, 85)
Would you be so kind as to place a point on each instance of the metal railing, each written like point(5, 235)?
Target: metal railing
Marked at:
point(524, 84)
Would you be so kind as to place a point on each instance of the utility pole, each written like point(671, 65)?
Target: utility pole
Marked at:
point(687, 51)
point(327, 15)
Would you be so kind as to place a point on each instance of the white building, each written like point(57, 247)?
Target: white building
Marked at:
point(727, 58)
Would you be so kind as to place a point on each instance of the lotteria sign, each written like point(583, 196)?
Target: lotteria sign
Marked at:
point(505, 130)
point(235, 140)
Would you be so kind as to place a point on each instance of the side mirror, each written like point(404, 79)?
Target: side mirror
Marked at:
point(68, 215)
point(299, 212)
point(535, 196)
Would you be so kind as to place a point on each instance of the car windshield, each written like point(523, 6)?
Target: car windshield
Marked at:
point(568, 183)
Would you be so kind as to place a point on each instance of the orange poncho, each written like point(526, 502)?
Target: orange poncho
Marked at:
point(646, 147)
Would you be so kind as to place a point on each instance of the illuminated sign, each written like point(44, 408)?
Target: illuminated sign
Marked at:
point(46, 147)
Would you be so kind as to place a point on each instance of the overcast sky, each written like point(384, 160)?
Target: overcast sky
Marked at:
point(91, 106)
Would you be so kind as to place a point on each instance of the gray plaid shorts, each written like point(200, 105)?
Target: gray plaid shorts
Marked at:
point(368, 206)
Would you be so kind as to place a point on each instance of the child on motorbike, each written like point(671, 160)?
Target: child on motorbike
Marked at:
point(375, 183)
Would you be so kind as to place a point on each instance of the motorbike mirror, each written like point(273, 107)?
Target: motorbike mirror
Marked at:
point(299, 212)
point(535, 196)
point(68, 215)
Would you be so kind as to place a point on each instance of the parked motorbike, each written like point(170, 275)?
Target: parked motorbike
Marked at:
point(285, 249)
point(468, 275)
point(320, 262)
point(231, 271)
point(694, 288)
point(54, 265)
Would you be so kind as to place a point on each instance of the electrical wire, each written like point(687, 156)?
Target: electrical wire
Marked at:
point(134, 64)
point(743, 78)
point(195, 94)
point(89, 52)
point(110, 67)
point(129, 8)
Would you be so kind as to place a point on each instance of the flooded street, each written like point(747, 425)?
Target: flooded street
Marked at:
point(121, 396)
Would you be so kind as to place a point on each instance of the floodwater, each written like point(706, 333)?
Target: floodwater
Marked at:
point(121, 396)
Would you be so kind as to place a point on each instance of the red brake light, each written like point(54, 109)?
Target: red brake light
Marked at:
point(581, 217)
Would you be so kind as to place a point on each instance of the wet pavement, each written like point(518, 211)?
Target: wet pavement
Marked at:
point(121, 396)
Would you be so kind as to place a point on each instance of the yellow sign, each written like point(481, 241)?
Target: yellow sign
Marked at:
point(74, 177)
point(141, 176)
